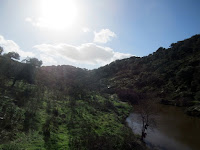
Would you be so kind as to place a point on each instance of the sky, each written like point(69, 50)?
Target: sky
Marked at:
point(93, 33)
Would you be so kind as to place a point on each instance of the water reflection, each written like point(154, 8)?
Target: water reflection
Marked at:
point(174, 130)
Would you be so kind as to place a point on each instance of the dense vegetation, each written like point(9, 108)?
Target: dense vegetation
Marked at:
point(52, 108)
point(171, 75)
point(64, 107)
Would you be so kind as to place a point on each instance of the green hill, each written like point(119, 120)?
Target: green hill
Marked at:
point(172, 75)
point(64, 107)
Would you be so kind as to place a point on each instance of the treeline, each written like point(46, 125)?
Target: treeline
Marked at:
point(56, 108)
point(64, 107)
point(15, 70)
point(172, 74)
point(19, 100)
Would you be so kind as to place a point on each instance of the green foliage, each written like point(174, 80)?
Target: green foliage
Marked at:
point(11, 69)
point(12, 55)
point(11, 146)
point(185, 74)
point(64, 107)
point(11, 118)
point(27, 73)
point(1, 50)
point(166, 74)
point(197, 96)
point(33, 62)
point(44, 122)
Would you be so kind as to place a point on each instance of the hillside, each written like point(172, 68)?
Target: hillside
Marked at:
point(64, 107)
point(172, 75)
point(51, 108)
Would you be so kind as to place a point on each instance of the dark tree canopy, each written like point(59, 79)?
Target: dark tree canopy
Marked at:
point(73, 108)
point(34, 62)
point(27, 72)
point(1, 50)
point(12, 55)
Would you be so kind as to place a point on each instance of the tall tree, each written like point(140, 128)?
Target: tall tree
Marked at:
point(12, 55)
point(1, 50)
point(33, 61)
point(147, 111)
point(27, 72)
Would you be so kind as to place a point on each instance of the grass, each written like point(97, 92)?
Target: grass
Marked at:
point(97, 121)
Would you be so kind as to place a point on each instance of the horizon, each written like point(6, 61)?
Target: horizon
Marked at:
point(94, 34)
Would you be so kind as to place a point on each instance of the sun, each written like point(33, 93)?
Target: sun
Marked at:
point(58, 14)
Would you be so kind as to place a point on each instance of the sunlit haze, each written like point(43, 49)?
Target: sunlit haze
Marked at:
point(90, 34)
point(58, 14)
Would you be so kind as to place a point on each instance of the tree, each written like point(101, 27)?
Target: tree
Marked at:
point(185, 75)
point(1, 50)
point(27, 72)
point(172, 45)
point(147, 110)
point(128, 95)
point(34, 62)
point(12, 55)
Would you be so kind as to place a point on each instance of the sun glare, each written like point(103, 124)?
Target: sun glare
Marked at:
point(58, 14)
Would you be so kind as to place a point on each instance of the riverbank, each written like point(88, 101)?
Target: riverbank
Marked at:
point(193, 111)
point(192, 108)
point(174, 129)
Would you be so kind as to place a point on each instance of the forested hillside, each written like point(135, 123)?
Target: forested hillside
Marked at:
point(52, 108)
point(172, 75)
point(64, 107)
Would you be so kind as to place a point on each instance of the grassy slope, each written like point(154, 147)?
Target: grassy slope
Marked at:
point(52, 116)
point(97, 122)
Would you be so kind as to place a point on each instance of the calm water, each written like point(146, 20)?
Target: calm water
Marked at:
point(174, 130)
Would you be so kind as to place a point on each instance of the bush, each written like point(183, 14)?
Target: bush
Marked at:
point(12, 146)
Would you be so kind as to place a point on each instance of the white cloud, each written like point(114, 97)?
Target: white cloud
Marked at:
point(85, 29)
point(88, 53)
point(118, 55)
point(39, 22)
point(46, 60)
point(11, 46)
point(104, 36)
point(28, 19)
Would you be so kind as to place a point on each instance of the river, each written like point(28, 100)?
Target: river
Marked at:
point(174, 129)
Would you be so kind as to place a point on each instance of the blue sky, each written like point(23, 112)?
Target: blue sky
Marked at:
point(92, 33)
